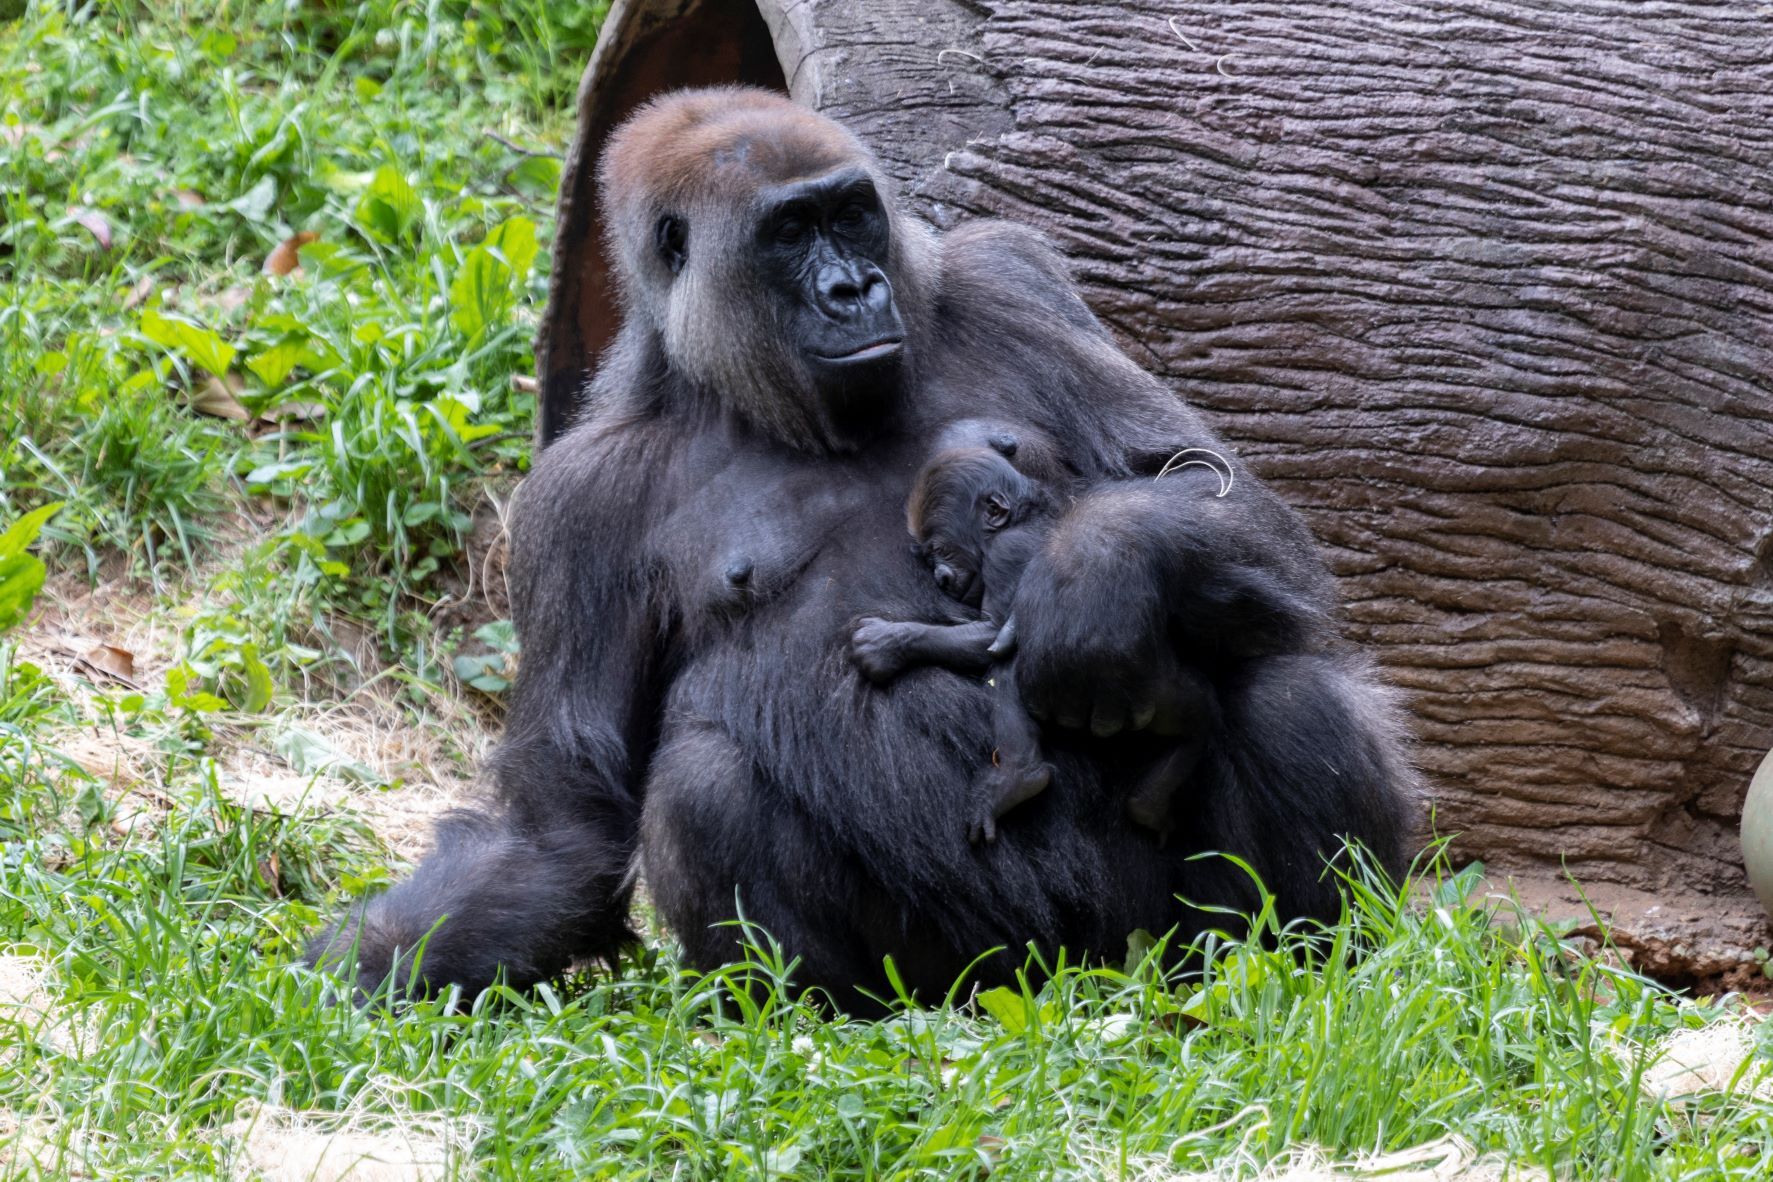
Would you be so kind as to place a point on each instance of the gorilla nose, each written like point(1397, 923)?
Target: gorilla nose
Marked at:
point(953, 583)
point(847, 292)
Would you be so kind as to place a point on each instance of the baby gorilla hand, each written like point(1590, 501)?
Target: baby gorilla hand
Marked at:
point(881, 649)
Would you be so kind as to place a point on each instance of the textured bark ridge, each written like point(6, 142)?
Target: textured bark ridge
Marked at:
point(1485, 288)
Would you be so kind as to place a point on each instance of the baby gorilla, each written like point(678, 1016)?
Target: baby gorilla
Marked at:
point(978, 520)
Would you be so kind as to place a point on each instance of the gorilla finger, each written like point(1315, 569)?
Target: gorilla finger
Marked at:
point(1071, 714)
point(1143, 711)
point(1171, 716)
point(1005, 644)
point(1109, 717)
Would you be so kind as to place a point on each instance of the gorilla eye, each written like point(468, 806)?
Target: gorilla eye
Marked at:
point(790, 230)
point(672, 236)
point(851, 216)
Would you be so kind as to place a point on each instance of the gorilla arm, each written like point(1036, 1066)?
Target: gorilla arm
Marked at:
point(540, 875)
point(1145, 570)
point(1144, 573)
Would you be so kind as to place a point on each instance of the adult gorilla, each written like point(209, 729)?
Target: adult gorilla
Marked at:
point(688, 561)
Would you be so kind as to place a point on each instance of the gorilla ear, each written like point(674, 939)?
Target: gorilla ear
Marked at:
point(672, 237)
point(997, 510)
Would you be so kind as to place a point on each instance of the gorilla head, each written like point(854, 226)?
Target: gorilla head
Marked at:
point(961, 501)
point(759, 242)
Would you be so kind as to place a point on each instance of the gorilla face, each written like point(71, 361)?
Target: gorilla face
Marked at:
point(822, 249)
point(757, 244)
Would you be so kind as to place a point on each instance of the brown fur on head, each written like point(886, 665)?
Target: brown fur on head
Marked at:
point(949, 489)
point(703, 156)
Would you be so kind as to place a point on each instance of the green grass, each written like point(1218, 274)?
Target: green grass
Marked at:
point(289, 466)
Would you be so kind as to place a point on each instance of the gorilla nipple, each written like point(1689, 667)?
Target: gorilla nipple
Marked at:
point(738, 571)
point(1004, 444)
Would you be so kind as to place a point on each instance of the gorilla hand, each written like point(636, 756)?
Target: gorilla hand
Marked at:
point(1091, 625)
point(1095, 653)
point(883, 649)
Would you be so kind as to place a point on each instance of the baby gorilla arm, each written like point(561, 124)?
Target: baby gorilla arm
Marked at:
point(883, 649)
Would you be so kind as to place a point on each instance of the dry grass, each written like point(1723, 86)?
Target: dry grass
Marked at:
point(430, 760)
point(284, 1145)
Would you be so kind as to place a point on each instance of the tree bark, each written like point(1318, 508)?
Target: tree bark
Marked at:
point(1484, 287)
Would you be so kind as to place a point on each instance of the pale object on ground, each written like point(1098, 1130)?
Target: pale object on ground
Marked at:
point(1757, 832)
point(1717, 1058)
point(1446, 1159)
point(284, 1145)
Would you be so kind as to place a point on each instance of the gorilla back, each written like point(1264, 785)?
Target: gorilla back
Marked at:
point(688, 561)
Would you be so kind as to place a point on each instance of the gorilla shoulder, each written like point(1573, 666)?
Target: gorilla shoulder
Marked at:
point(1003, 265)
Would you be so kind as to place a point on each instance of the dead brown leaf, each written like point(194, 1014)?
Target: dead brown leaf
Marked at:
point(94, 223)
point(293, 412)
point(190, 199)
point(220, 399)
point(111, 661)
point(144, 287)
point(232, 299)
point(287, 257)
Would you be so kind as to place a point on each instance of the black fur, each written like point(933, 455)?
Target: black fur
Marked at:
point(687, 567)
point(978, 522)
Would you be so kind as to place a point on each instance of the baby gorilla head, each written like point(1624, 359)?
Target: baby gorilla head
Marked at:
point(961, 504)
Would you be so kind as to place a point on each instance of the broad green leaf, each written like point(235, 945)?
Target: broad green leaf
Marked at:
point(21, 574)
point(483, 671)
point(536, 174)
point(21, 577)
point(349, 533)
point(309, 755)
point(500, 634)
point(492, 277)
point(515, 241)
point(24, 531)
point(274, 364)
point(1007, 1006)
point(281, 470)
point(390, 208)
point(255, 204)
point(258, 680)
point(191, 341)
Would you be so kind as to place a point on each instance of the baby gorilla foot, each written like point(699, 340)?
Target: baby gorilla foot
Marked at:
point(1153, 812)
point(1001, 788)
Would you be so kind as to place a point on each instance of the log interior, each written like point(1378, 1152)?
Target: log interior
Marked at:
point(646, 48)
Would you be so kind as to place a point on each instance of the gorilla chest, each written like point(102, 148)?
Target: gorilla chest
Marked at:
point(758, 535)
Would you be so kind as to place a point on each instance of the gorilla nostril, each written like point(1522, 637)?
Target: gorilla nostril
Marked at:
point(877, 293)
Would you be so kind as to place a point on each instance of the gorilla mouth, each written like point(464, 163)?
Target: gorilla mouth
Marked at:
point(873, 351)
